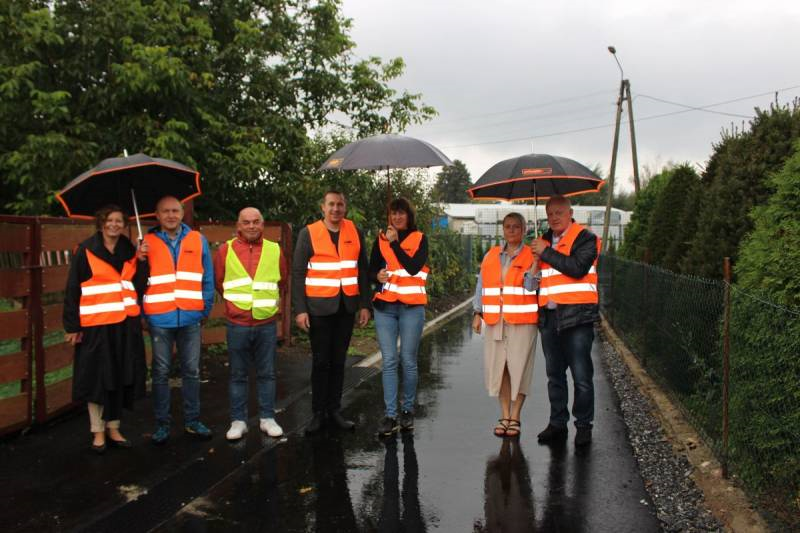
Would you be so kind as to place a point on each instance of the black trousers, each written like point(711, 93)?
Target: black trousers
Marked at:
point(330, 338)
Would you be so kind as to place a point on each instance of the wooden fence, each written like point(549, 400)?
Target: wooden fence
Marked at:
point(35, 362)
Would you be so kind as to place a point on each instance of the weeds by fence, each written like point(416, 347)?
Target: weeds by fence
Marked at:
point(674, 325)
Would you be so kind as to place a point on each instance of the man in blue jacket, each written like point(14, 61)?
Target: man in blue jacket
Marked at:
point(179, 297)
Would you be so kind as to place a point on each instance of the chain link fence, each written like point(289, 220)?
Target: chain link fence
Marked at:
point(674, 324)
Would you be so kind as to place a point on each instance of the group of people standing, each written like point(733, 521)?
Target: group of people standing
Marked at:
point(170, 278)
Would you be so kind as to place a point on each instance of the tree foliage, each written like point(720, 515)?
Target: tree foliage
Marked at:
point(638, 229)
point(452, 183)
point(734, 182)
point(234, 88)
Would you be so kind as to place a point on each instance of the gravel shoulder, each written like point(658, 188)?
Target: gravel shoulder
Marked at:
point(681, 474)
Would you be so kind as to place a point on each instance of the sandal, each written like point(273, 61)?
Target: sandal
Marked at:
point(501, 427)
point(513, 426)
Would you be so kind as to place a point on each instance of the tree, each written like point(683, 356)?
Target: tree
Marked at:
point(452, 184)
point(635, 243)
point(735, 182)
point(233, 88)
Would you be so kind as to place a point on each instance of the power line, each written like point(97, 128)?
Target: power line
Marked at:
point(641, 119)
point(694, 108)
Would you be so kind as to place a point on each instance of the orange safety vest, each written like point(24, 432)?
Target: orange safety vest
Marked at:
point(108, 297)
point(561, 288)
point(401, 285)
point(331, 270)
point(507, 296)
point(169, 288)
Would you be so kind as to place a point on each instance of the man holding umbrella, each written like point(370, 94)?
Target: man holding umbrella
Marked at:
point(568, 308)
point(179, 296)
point(329, 285)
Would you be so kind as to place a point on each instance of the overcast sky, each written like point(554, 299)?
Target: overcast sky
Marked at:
point(507, 76)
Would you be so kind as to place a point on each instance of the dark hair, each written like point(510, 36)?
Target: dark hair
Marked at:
point(333, 191)
point(401, 204)
point(102, 215)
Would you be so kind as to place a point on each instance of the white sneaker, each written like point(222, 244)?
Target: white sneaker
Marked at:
point(270, 427)
point(237, 431)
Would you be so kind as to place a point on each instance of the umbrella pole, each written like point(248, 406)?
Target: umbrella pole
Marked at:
point(136, 211)
point(388, 195)
point(535, 214)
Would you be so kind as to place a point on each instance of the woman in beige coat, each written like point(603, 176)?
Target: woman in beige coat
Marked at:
point(505, 301)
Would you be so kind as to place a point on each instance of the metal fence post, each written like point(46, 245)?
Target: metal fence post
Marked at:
point(726, 349)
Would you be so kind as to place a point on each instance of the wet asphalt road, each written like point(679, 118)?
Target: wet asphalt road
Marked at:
point(450, 474)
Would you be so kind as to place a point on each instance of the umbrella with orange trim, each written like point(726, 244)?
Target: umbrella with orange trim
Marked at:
point(535, 177)
point(135, 183)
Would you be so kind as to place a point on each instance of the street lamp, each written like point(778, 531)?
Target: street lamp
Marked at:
point(624, 94)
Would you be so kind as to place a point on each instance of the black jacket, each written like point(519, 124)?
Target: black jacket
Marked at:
point(576, 265)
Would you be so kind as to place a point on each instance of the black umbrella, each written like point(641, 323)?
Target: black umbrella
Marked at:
point(135, 183)
point(535, 177)
point(386, 151)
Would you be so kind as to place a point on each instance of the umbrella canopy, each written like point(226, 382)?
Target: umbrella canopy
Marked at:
point(113, 180)
point(535, 177)
point(386, 151)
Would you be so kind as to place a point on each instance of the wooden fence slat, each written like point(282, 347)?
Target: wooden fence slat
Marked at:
point(59, 395)
point(14, 324)
point(13, 367)
point(53, 317)
point(216, 233)
point(13, 411)
point(64, 237)
point(15, 282)
point(58, 356)
point(54, 278)
point(15, 237)
point(214, 335)
point(218, 311)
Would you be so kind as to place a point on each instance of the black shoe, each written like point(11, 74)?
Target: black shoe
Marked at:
point(99, 450)
point(406, 420)
point(583, 436)
point(124, 443)
point(340, 421)
point(316, 424)
point(387, 426)
point(552, 433)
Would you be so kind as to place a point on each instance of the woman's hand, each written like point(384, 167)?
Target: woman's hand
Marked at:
point(391, 234)
point(141, 251)
point(73, 338)
point(383, 275)
point(476, 323)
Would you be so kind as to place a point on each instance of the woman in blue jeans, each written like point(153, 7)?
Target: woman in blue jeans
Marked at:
point(398, 265)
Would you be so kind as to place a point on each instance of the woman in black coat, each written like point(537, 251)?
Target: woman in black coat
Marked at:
point(109, 370)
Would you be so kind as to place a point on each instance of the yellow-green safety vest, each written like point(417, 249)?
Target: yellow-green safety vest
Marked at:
point(260, 294)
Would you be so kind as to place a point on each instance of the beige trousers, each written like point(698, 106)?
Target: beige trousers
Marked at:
point(96, 422)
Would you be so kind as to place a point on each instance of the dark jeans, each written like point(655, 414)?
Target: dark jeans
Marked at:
point(188, 341)
point(252, 346)
point(571, 348)
point(330, 338)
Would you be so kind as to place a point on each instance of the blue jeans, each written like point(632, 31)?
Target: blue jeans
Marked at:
point(571, 348)
point(406, 321)
point(252, 345)
point(188, 341)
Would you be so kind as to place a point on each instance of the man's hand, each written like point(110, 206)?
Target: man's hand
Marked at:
point(73, 338)
point(538, 246)
point(141, 251)
point(476, 323)
point(363, 317)
point(383, 275)
point(302, 321)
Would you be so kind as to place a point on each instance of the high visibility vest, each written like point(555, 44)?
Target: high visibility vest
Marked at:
point(402, 286)
point(170, 288)
point(260, 295)
point(108, 297)
point(331, 270)
point(561, 288)
point(507, 296)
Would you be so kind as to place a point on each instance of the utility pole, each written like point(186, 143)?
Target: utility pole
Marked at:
point(624, 94)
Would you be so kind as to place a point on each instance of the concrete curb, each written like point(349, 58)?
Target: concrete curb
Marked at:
point(727, 502)
point(375, 359)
